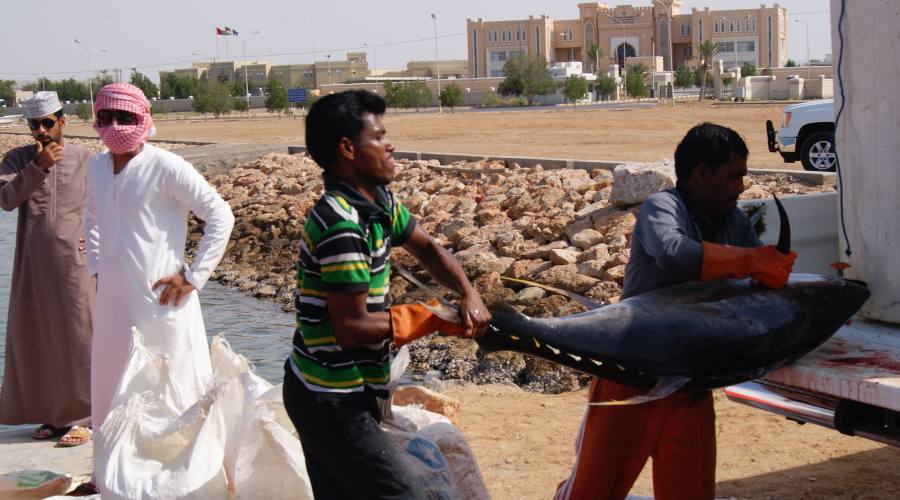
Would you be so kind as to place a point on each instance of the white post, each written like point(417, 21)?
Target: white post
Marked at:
point(807, 48)
point(437, 62)
point(246, 81)
point(90, 83)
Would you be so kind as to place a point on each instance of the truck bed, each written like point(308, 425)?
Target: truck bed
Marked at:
point(851, 383)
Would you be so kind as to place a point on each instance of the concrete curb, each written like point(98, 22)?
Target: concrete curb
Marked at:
point(816, 178)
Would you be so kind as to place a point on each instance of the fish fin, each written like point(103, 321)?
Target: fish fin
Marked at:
point(586, 302)
point(666, 386)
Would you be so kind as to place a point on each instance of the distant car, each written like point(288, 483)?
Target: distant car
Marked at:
point(807, 135)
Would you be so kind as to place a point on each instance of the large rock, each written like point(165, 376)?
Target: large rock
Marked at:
point(426, 398)
point(567, 277)
point(587, 238)
point(634, 182)
point(561, 256)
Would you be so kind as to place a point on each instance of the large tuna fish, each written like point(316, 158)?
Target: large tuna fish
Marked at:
point(694, 335)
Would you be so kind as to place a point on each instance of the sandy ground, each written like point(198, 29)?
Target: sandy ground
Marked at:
point(644, 134)
point(524, 443)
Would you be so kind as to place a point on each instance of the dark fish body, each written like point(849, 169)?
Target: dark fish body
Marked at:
point(703, 334)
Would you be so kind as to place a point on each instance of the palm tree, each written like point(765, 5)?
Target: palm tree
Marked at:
point(595, 53)
point(707, 49)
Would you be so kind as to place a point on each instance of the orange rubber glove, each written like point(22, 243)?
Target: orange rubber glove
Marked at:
point(412, 321)
point(765, 264)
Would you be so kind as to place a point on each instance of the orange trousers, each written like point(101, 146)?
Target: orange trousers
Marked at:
point(614, 443)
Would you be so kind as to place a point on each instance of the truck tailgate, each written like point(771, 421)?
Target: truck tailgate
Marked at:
point(860, 363)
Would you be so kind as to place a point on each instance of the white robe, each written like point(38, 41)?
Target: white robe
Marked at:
point(136, 226)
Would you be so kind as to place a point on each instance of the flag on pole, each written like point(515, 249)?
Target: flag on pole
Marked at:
point(226, 31)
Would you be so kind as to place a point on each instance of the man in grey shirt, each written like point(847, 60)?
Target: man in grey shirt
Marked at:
point(691, 232)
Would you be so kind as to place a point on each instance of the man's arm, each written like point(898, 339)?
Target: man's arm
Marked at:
point(18, 182)
point(190, 188)
point(443, 267)
point(353, 325)
point(662, 232)
point(91, 231)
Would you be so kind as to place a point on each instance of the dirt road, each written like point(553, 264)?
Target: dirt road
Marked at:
point(644, 134)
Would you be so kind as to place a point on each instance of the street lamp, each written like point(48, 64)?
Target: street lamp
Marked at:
point(330, 78)
point(623, 39)
point(807, 46)
point(246, 81)
point(90, 83)
point(437, 62)
point(374, 55)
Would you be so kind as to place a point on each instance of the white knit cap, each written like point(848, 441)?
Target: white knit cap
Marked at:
point(43, 103)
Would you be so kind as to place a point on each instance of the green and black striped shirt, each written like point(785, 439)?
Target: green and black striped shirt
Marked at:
point(345, 247)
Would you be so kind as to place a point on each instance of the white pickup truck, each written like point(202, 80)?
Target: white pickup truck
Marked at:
point(807, 135)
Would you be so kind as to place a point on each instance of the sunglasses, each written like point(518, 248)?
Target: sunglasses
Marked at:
point(36, 123)
point(105, 117)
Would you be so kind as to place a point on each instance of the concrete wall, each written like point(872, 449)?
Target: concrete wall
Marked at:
point(866, 137)
point(765, 88)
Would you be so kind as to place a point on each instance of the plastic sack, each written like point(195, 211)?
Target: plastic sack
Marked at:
point(436, 453)
point(33, 484)
point(150, 446)
point(264, 458)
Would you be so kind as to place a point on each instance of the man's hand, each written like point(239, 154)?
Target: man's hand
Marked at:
point(48, 155)
point(176, 288)
point(475, 316)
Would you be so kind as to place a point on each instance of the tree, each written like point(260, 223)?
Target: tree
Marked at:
point(277, 100)
point(213, 98)
point(100, 81)
point(698, 74)
point(706, 50)
point(595, 54)
point(395, 95)
point(748, 69)
point(634, 80)
point(150, 90)
point(452, 96)
point(418, 94)
point(575, 88)
point(179, 87)
point(527, 75)
point(71, 90)
point(239, 88)
point(684, 77)
point(241, 105)
point(7, 92)
point(83, 111)
point(606, 86)
point(790, 64)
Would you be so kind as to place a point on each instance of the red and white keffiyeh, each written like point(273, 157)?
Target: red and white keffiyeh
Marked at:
point(125, 97)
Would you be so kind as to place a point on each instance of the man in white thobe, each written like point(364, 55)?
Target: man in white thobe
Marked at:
point(136, 220)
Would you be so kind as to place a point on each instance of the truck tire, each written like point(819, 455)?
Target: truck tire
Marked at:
point(817, 153)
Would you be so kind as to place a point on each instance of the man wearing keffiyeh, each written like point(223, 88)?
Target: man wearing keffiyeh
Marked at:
point(138, 202)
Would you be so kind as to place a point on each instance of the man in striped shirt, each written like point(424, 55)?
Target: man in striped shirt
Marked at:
point(340, 362)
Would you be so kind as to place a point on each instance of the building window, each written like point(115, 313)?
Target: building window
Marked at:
point(770, 43)
point(475, 51)
point(566, 34)
point(738, 25)
point(753, 24)
point(731, 25)
point(495, 73)
point(687, 51)
point(492, 36)
point(537, 40)
point(700, 30)
point(746, 46)
point(685, 29)
point(520, 34)
point(588, 34)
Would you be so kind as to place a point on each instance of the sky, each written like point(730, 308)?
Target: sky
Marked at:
point(169, 34)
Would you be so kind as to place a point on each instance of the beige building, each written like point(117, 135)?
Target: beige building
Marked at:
point(757, 36)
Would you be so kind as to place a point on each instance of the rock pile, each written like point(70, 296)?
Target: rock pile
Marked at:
point(556, 227)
